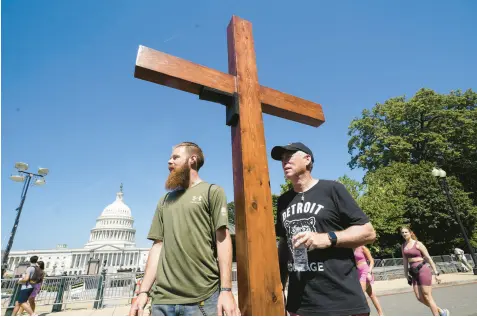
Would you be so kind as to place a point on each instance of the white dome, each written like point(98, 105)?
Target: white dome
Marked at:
point(114, 226)
point(117, 208)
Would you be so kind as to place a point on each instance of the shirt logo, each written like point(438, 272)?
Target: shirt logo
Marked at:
point(196, 199)
point(224, 211)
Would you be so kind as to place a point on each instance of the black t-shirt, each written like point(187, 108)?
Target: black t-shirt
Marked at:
point(330, 285)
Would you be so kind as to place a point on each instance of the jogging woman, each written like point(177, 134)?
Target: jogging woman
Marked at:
point(416, 264)
point(366, 278)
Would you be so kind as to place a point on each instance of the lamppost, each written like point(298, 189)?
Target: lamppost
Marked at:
point(441, 175)
point(26, 178)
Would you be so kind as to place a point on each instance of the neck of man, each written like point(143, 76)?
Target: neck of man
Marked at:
point(303, 182)
point(194, 178)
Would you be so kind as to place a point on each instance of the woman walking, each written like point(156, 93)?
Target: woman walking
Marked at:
point(36, 289)
point(416, 264)
point(366, 278)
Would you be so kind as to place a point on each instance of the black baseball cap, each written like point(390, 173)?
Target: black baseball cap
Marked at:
point(278, 150)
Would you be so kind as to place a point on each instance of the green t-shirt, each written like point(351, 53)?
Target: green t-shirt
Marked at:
point(187, 271)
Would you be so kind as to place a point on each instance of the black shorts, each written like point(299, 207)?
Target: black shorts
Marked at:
point(23, 295)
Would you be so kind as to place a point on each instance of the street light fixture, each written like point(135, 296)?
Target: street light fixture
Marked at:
point(17, 178)
point(441, 175)
point(26, 178)
point(20, 166)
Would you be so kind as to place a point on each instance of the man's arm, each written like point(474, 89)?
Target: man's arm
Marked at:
point(137, 309)
point(224, 253)
point(151, 267)
point(351, 237)
point(356, 236)
point(226, 302)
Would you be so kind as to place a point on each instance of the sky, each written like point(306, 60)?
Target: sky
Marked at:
point(70, 101)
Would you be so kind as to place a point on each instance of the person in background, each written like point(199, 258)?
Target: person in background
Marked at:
point(366, 277)
point(416, 263)
point(27, 280)
point(36, 288)
point(460, 254)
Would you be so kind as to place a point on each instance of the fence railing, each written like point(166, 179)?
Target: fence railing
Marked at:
point(116, 289)
point(388, 269)
point(60, 291)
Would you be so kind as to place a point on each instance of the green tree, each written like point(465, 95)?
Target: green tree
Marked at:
point(354, 187)
point(432, 127)
point(231, 212)
point(286, 187)
point(231, 209)
point(405, 193)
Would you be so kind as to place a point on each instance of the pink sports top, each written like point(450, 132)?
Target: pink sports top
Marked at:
point(359, 254)
point(412, 252)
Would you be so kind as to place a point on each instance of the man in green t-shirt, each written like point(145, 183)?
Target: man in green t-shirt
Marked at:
point(189, 230)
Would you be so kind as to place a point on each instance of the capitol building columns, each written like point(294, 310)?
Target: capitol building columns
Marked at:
point(112, 239)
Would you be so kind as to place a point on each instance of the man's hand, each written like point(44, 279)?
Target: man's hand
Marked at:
point(226, 303)
point(312, 240)
point(137, 309)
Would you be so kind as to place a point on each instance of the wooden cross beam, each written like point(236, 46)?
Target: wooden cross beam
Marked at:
point(260, 290)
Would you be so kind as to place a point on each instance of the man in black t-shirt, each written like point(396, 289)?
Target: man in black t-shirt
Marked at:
point(321, 216)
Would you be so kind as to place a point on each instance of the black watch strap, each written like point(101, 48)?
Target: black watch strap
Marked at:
point(225, 289)
point(333, 238)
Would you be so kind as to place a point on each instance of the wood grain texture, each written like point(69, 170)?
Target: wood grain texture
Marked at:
point(260, 290)
point(175, 72)
point(289, 107)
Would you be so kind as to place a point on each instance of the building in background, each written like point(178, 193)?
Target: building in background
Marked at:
point(112, 239)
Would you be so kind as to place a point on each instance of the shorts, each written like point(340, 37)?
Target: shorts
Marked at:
point(23, 295)
point(424, 276)
point(363, 271)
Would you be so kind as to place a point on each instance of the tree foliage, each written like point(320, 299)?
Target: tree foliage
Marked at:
point(354, 187)
point(407, 194)
point(231, 212)
point(431, 127)
point(286, 186)
point(231, 209)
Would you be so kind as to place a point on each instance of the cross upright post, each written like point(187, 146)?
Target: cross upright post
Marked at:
point(260, 289)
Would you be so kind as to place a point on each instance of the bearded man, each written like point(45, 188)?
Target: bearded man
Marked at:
point(189, 268)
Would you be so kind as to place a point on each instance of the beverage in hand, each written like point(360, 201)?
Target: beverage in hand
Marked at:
point(300, 258)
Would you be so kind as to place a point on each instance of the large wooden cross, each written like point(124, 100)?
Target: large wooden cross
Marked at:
point(260, 290)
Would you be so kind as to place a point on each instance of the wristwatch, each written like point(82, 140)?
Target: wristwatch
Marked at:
point(225, 289)
point(333, 238)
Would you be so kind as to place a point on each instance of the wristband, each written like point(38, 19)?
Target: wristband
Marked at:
point(225, 289)
point(333, 238)
point(146, 292)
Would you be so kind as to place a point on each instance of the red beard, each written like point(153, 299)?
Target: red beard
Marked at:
point(179, 177)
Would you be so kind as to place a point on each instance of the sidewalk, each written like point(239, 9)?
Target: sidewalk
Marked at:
point(382, 288)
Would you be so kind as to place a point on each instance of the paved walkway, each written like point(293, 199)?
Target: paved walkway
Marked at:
point(382, 288)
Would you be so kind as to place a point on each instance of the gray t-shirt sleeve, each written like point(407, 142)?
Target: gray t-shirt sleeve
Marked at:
point(29, 272)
